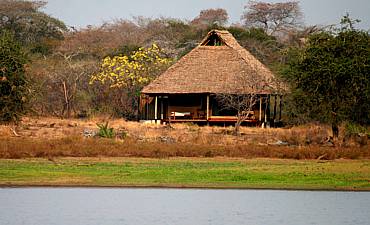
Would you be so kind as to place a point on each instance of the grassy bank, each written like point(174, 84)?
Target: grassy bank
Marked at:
point(188, 172)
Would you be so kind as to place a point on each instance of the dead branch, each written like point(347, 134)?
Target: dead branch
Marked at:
point(14, 132)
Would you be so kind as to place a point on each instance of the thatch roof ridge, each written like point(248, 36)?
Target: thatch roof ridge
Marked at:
point(210, 69)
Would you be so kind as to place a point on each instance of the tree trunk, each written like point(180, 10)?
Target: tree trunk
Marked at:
point(66, 99)
point(237, 125)
point(335, 130)
point(334, 125)
point(237, 129)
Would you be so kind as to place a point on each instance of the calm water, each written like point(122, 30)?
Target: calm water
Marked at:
point(90, 206)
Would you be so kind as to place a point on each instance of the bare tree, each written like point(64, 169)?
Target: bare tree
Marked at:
point(209, 17)
point(60, 82)
point(242, 103)
point(272, 17)
point(67, 80)
point(244, 98)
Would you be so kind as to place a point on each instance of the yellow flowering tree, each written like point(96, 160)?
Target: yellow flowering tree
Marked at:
point(135, 70)
point(122, 77)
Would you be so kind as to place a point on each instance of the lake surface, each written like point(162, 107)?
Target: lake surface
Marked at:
point(110, 206)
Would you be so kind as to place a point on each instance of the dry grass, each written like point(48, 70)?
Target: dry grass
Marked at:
point(82, 147)
point(50, 137)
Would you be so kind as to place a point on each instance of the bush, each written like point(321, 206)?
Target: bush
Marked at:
point(13, 83)
point(356, 133)
point(105, 131)
point(353, 129)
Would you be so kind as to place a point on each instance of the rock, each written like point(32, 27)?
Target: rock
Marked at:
point(143, 139)
point(166, 139)
point(89, 133)
point(280, 143)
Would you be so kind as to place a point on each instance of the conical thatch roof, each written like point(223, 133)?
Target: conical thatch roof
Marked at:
point(214, 69)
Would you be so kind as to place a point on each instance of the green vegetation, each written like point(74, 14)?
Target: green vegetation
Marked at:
point(352, 129)
point(180, 172)
point(37, 32)
point(135, 70)
point(329, 78)
point(13, 82)
point(105, 131)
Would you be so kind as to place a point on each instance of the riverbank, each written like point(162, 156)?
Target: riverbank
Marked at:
point(188, 172)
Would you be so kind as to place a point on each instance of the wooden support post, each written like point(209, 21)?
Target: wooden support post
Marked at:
point(207, 107)
point(162, 109)
point(260, 115)
point(139, 110)
point(267, 110)
point(156, 109)
point(147, 110)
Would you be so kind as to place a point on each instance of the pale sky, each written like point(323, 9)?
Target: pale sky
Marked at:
point(80, 13)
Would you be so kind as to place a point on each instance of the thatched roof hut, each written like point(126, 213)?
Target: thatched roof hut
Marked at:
point(217, 65)
point(188, 90)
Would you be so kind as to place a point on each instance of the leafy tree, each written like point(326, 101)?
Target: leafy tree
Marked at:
point(13, 82)
point(330, 79)
point(264, 47)
point(30, 26)
point(130, 73)
point(242, 34)
point(138, 69)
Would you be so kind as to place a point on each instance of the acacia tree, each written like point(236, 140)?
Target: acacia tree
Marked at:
point(272, 17)
point(14, 93)
point(329, 78)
